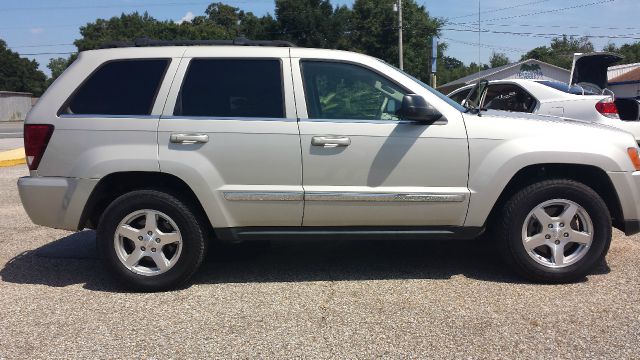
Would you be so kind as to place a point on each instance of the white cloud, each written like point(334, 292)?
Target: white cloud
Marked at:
point(36, 30)
point(186, 18)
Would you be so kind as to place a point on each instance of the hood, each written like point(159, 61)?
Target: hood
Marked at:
point(592, 68)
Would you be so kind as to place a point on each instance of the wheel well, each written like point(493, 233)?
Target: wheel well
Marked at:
point(591, 176)
point(114, 185)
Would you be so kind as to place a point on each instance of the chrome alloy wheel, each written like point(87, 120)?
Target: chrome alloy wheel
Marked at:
point(557, 233)
point(148, 242)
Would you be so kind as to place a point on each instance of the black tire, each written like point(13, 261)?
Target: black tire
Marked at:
point(192, 232)
point(510, 220)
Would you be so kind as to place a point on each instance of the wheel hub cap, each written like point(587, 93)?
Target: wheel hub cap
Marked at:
point(148, 242)
point(557, 233)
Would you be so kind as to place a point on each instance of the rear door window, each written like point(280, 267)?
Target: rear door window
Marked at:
point(122, 87)
point(232, 88)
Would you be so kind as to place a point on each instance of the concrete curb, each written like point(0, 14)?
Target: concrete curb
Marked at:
point(12, 157)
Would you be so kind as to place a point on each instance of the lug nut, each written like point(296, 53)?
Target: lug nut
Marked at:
point(557, 242)
point(550, 226)
point(561, 224)
point(149, 233)
point(547, 237)
point(153, 249)
point(143, 248)
point(158, 240)
point(566, 234)
point(139, 237)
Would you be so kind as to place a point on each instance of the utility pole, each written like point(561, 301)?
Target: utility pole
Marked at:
point(400, 59)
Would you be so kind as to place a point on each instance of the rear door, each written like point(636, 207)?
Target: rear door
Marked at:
point(362, 164)
point(229, 130)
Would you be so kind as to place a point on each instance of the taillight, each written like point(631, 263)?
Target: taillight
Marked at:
point(608, 108)
point(36, 138)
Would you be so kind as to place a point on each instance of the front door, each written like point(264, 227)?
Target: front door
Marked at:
point(362, 165)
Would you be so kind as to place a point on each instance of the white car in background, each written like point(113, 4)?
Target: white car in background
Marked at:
point(586, 99)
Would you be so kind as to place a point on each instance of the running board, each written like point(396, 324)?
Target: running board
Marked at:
point(347, 233)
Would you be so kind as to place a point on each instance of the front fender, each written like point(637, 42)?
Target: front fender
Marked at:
point(495, 162)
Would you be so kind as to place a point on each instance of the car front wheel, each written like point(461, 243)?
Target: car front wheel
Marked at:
point(554, 231)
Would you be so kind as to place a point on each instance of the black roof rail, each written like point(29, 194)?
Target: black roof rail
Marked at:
point(147, 42)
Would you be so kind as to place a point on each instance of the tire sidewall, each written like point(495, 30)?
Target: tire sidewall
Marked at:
point(190, 232)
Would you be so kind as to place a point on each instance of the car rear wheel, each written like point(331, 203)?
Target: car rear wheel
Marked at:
point(150, 240)
point(554, 231)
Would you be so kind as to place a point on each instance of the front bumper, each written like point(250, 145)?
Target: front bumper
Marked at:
point(627, 185)
point(55, 202)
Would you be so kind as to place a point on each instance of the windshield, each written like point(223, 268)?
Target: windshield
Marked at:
point(432, 90)
point(576, 90)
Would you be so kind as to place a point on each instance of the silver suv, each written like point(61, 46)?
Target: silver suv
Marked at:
point(161, 148)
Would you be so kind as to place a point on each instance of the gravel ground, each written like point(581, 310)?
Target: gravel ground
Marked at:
point(326, 299)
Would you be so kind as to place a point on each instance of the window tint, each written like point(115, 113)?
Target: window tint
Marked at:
point(124, 87)
point(509, 98)
point(232, 88)
point(459, 97)
point(345, 91)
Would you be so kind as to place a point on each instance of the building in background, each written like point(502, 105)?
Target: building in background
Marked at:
point(528, 69)
point(624, 80)
point(14, 106)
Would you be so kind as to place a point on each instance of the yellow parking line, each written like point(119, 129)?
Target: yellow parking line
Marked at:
point(12, 157)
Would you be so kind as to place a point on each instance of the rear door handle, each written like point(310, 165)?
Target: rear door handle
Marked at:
point(330, 141)
point(189, 138)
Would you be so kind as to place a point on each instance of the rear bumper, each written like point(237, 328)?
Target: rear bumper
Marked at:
point(55, 201)
point(627, 185)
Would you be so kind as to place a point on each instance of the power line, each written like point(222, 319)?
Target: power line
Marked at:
point(498, 10)
point(48, 53)
point(552, 11)
point(486, 46)
point(550, 26)
point(40, 45)
point(75, 7)
point(548, 35)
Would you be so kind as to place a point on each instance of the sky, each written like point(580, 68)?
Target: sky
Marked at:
point(46, 27)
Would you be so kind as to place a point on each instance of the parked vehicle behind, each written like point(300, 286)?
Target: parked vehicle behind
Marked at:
point(587, 98)
point(164, 148)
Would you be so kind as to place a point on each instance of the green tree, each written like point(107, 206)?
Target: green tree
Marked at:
point(58, 66)
point(19, 74)
point(128, 27)
point(375, 32)
point(313, 23)
point(498, 59)
point(235, 22)
point(561, 50)
point(630, 52)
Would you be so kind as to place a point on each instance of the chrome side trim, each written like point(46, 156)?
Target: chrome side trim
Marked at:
point(213, 118)
point(263, 196)
point(383, 197)
point(379, 122)
point(98, 116)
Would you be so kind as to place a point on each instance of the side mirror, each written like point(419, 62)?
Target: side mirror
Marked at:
point(415, 107)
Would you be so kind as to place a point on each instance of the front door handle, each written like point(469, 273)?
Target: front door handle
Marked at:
point(330, 141)
point(189, 138)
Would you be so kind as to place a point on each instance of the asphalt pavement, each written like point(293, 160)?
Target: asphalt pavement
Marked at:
point(318, 299)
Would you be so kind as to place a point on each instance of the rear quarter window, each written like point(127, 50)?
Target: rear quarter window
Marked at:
point(121, 87)
point(232, 88)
